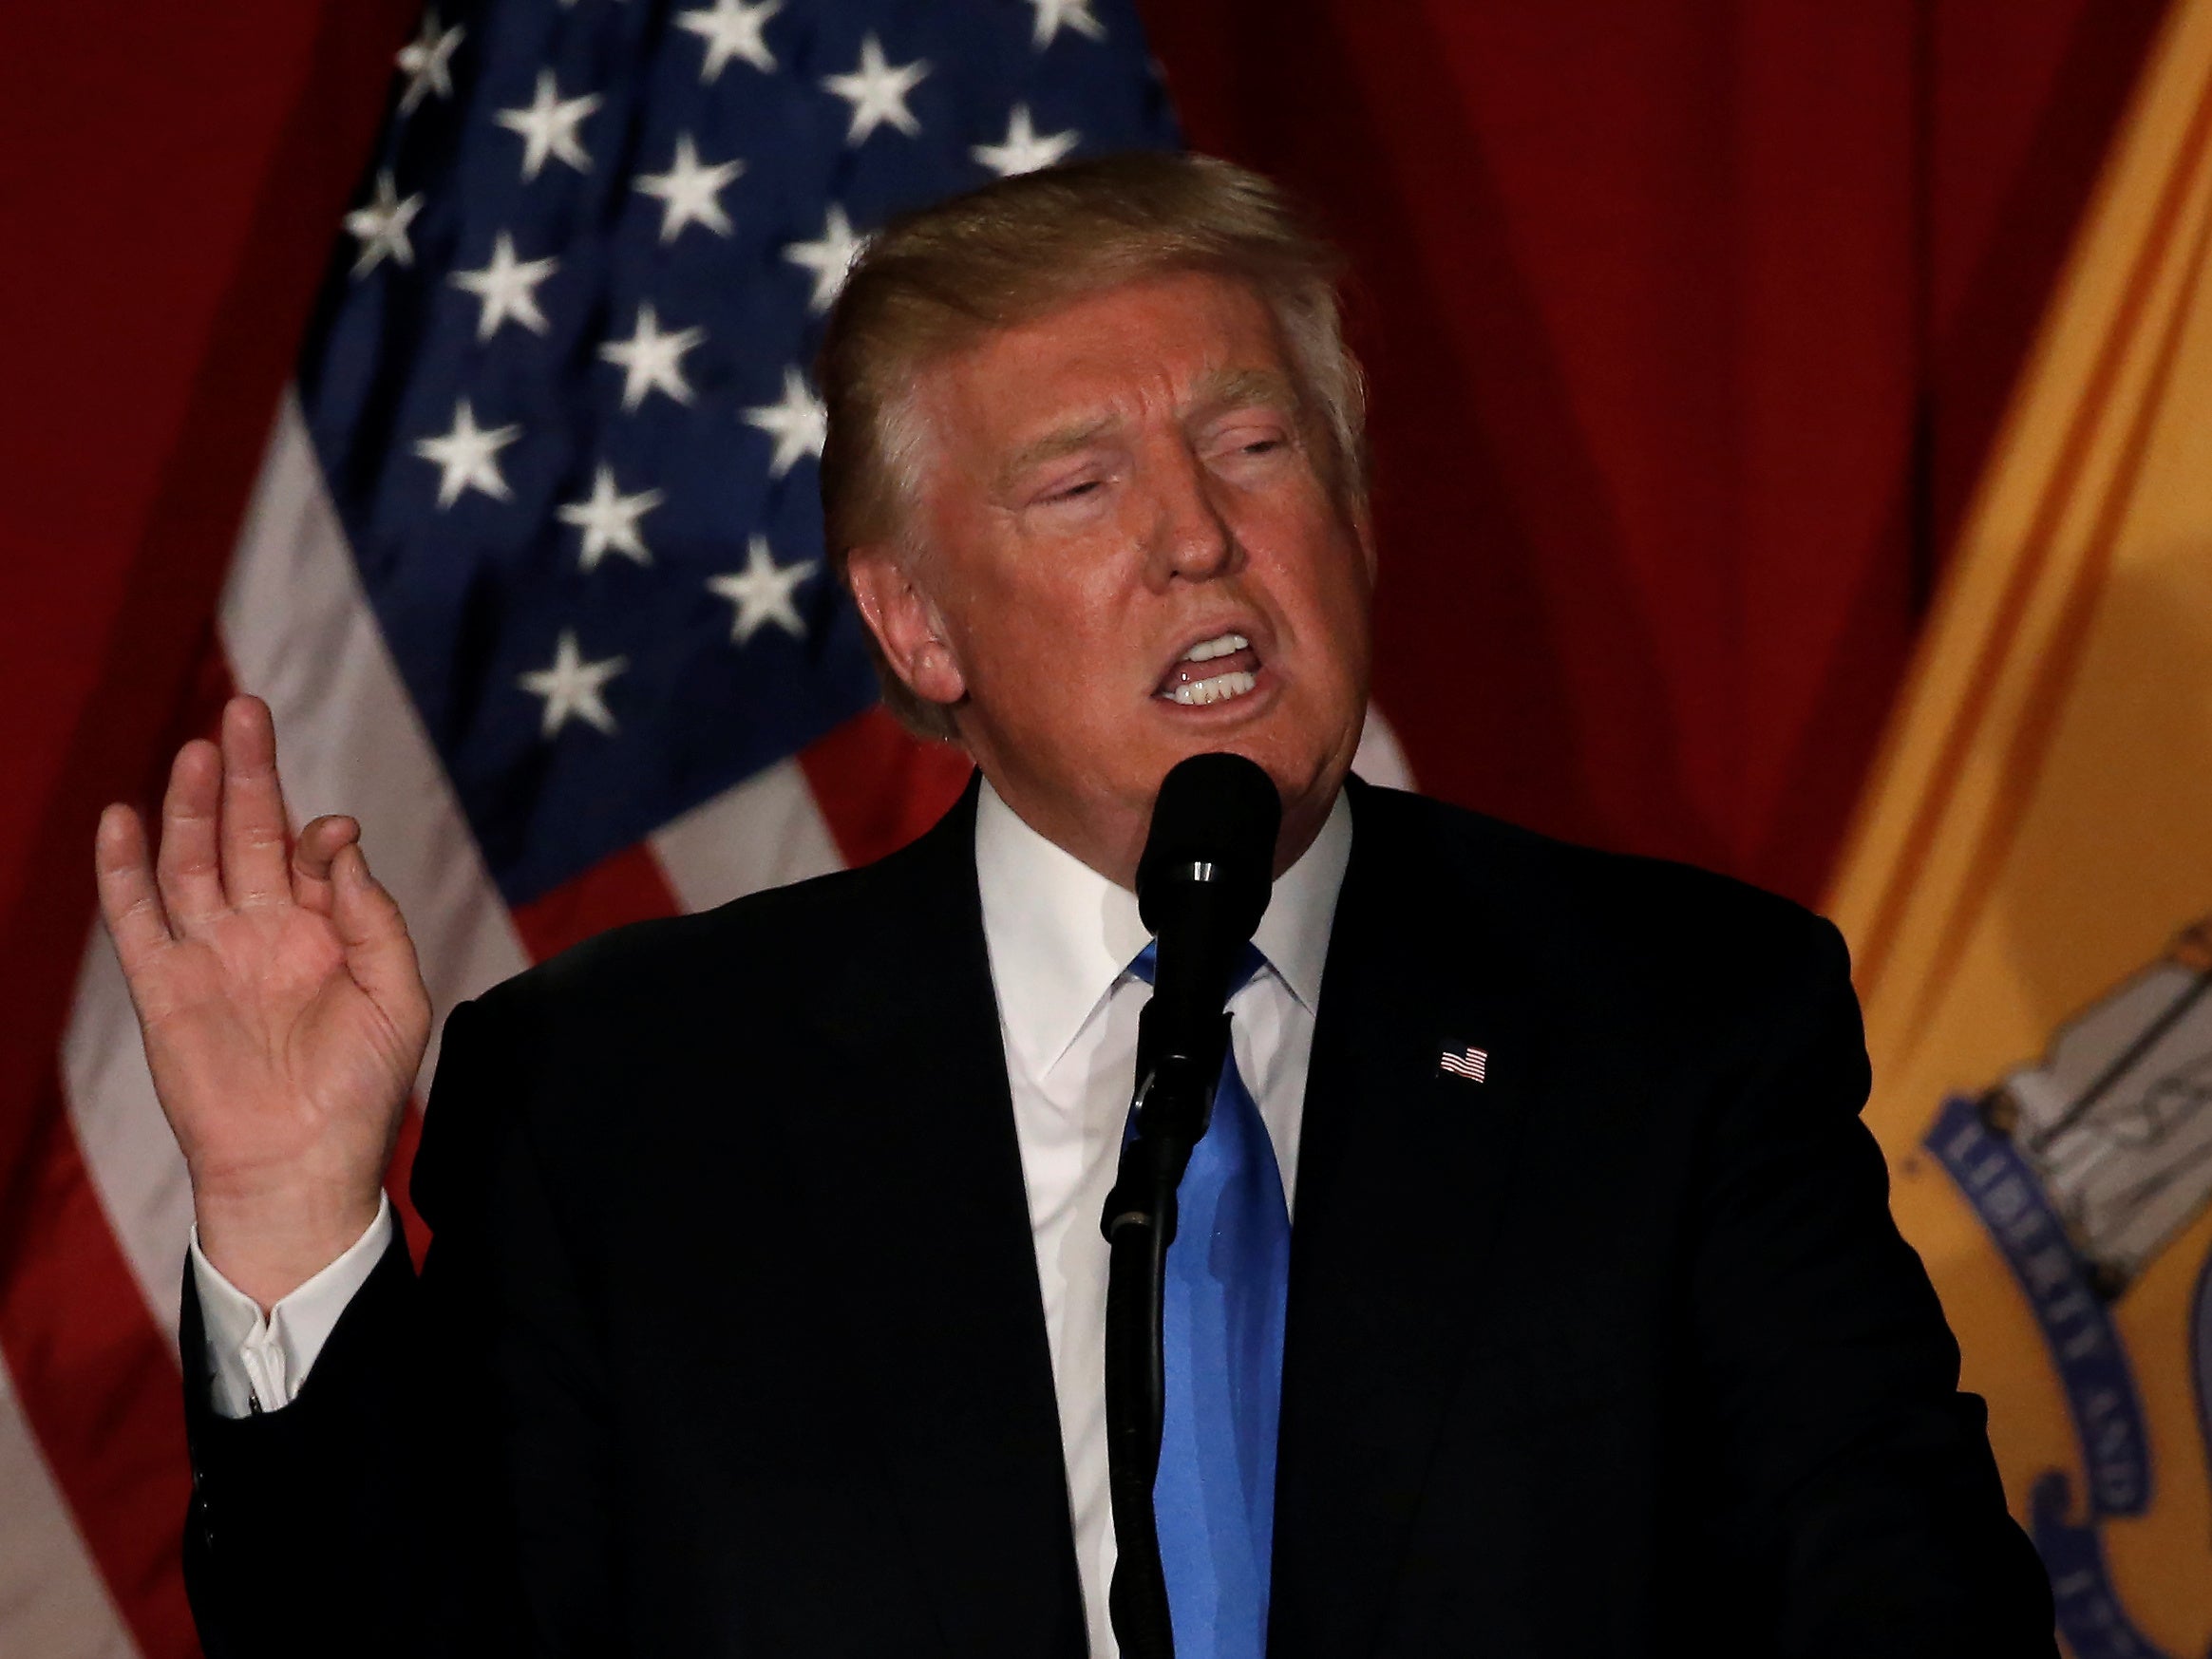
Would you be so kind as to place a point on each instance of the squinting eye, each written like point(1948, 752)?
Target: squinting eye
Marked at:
point(1263, 445)
point(1073, 491)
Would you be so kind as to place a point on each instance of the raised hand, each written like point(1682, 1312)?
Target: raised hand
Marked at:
point(283, 1011)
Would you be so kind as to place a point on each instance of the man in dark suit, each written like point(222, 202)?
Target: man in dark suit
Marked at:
point(763, 1311)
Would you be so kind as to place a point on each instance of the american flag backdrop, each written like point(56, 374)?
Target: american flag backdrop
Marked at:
point(533, 581)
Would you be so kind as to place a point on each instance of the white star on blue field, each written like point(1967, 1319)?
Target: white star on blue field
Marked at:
point(558, 378)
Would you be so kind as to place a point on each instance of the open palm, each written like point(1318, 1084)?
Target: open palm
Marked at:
point(283, 1011)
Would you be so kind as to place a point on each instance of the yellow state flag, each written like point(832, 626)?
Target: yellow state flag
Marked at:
point(2029, 900)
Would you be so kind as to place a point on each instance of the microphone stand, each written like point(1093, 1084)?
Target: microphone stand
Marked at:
point(1201, 887)
point(1174, 1104)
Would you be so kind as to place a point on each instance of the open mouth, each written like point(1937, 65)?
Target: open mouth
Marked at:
point(1213, 670)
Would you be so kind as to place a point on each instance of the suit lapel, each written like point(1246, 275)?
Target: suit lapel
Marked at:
point(1405, 1170)
point(913, 1150)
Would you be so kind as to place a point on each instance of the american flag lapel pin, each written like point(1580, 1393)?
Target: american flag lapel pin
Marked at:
point(1464, 1062)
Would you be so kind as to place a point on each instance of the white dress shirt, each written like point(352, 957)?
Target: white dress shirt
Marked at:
point(1061, 938)
point(257, 1364)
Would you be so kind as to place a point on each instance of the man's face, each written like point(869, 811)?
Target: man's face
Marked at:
point(1128, 554)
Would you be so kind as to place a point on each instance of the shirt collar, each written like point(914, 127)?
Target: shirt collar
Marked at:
point(1060, 934)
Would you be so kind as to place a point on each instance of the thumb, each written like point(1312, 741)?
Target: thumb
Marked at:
point(379, 954)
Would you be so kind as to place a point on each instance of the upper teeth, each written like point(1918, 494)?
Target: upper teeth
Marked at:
point(1219, 646)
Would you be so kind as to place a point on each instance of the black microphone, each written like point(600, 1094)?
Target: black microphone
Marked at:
point(1203, 885)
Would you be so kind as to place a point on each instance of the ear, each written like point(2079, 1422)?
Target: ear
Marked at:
point(905, 622)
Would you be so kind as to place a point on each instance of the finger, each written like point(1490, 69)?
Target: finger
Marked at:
point(310, 861)
point(127, 899)
point(379, 954)
point(185, 869)
point(256, 837)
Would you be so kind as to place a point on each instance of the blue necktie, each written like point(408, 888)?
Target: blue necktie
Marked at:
point(1221, 1329)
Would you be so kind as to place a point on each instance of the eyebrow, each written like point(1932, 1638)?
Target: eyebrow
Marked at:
point(1052, 445)
point(1239, 389)
point(1229, 388)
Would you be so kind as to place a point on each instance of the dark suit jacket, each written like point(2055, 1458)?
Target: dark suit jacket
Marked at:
point(730, 1339)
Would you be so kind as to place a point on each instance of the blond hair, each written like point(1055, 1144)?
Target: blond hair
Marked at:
point(939, 280)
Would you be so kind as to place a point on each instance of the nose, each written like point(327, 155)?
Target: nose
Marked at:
point(1191, 536)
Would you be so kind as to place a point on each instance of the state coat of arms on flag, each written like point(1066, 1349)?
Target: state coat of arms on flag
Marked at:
point(2027, 899)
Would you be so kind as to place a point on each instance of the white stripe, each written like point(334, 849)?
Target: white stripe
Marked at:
point(1379, 758)
point(130, 1157)
point(299, 632)
point(53, 1602)
point(766, 832)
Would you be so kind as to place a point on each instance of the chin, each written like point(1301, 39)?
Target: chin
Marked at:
point(1302, 753)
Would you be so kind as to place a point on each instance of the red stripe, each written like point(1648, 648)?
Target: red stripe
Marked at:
point(397, 1176)
point(98, 1381)
point(628, 887)
point(878, 786)
point(123, 555)
point(115, 551)
point(96, 1373)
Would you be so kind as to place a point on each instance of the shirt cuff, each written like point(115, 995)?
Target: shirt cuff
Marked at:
point(257, 1364)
